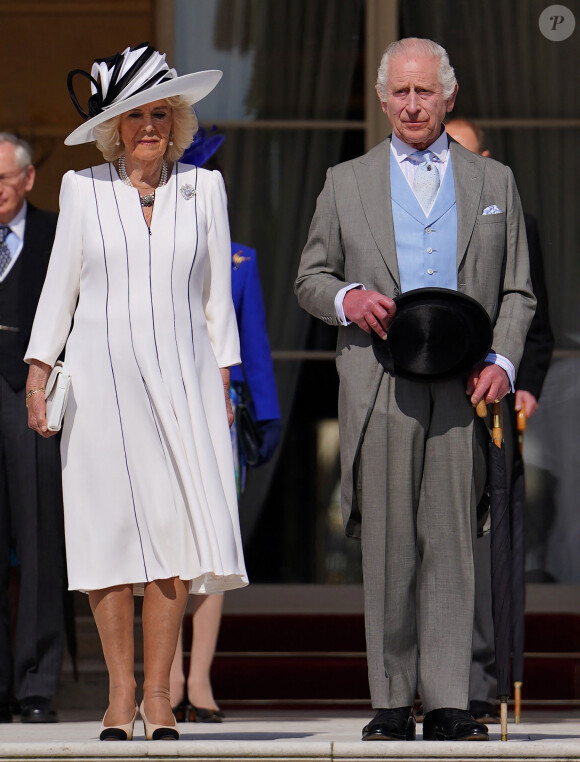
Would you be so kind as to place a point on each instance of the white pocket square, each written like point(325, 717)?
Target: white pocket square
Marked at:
point(493, 209)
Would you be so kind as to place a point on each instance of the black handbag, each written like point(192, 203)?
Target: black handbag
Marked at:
point(248, 433)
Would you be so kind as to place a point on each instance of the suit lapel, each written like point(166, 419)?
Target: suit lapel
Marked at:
point(372, 173)
point(468, 175)
point(34, 256)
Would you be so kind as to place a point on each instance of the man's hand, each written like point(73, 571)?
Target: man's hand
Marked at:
point(525, 401)
point(488, 382)
point(369, 310)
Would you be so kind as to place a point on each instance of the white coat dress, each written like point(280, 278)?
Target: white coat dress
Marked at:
point(148, 478)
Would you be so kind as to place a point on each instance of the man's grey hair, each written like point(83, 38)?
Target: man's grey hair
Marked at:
point(22, 150)
point(417, 46)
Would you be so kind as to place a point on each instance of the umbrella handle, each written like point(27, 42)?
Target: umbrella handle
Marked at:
point(521, 427)
point(497, 433)
point(481, 408)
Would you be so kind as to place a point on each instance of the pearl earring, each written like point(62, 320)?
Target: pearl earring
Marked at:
point(170, 138)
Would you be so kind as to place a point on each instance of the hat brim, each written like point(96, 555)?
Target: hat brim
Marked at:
point(436, 334)
point(193, 86)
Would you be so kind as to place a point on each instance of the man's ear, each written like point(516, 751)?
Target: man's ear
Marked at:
point(30, 176)
point(451, 100)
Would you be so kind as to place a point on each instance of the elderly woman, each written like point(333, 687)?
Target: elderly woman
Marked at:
point(141, 264)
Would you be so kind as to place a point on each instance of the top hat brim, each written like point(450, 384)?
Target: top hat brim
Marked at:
point(436, 333)
point(193, 86)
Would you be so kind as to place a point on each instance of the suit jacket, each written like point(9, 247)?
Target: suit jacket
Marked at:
point(38, 239)
point(540, 339)
point(351, 239)
point(256, 368)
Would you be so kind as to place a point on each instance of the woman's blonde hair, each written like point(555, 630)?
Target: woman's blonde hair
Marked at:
point(184, 128)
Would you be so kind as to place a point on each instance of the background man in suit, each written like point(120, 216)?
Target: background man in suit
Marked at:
point(413, 452)
point(529, 381)
point(30, 481)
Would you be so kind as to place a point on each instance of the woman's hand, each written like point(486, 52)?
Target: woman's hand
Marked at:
point(38, 374)
point(226, 382)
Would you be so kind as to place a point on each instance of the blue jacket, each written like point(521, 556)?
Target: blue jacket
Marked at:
point(256, 368)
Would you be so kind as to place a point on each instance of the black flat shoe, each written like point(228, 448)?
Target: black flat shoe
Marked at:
point(197, 714)
point(391, 725)
point(453, 725)
point(484, 711)
point(182, 711)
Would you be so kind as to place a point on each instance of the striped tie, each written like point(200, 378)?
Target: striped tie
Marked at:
point(426, 183)
point(5, 255)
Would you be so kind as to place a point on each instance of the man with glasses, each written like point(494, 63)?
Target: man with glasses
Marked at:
point(31, 531)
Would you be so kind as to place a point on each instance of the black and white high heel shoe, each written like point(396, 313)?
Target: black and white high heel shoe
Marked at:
point(159, 732)
point(118, 732)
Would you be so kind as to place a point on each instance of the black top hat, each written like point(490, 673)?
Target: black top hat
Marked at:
point(436, 333)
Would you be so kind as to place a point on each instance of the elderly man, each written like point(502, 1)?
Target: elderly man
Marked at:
point(30, 489)
point(417, 210)
point(530, 379)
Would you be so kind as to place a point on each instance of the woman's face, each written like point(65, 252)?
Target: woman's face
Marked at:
point(145, 131)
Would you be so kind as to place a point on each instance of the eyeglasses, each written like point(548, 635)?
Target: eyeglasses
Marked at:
point(10, 176)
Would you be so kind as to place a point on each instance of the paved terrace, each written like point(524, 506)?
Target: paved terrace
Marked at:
point(285, 735)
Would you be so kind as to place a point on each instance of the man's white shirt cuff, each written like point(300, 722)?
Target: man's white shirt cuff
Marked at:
point(338, 300)
point(504, 363)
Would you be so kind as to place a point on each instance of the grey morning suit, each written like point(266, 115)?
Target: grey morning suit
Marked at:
point(412, 453)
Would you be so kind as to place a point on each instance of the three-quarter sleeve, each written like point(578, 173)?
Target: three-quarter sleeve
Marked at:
point(218, 303)
point(53, 318)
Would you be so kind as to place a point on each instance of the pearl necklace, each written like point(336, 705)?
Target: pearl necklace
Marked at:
point(149, 199)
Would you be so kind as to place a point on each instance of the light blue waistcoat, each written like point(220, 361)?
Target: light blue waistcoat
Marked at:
point(426, 244)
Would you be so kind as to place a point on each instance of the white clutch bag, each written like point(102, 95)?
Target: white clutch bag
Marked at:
point(56, 396)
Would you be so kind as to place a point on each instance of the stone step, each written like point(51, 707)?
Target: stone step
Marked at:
point(304, 659)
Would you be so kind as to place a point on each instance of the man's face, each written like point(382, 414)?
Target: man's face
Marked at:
point(463, 134)
point(414, 101)
point(15, 183)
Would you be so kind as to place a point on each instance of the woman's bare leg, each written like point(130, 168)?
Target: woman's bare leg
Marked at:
point(114, 609)
point(207, 612)
point(163, 608)
point(177, 676)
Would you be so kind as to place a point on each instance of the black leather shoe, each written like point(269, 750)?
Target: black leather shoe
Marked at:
point(197, 714)
point(37, 709)
point(484, 711)
point(5, 713)
point(391, 725)
point(181, 711)
point(452, 725)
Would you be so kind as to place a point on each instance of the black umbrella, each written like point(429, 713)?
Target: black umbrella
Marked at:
point(501, 563)
point(517, 509)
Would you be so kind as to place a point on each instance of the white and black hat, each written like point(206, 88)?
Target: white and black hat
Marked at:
point(131, 79)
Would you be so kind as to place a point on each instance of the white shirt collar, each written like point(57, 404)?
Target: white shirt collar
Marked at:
point(18, 223)
point(402, 151)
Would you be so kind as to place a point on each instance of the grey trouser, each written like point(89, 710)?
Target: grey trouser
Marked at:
point(421, 473)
